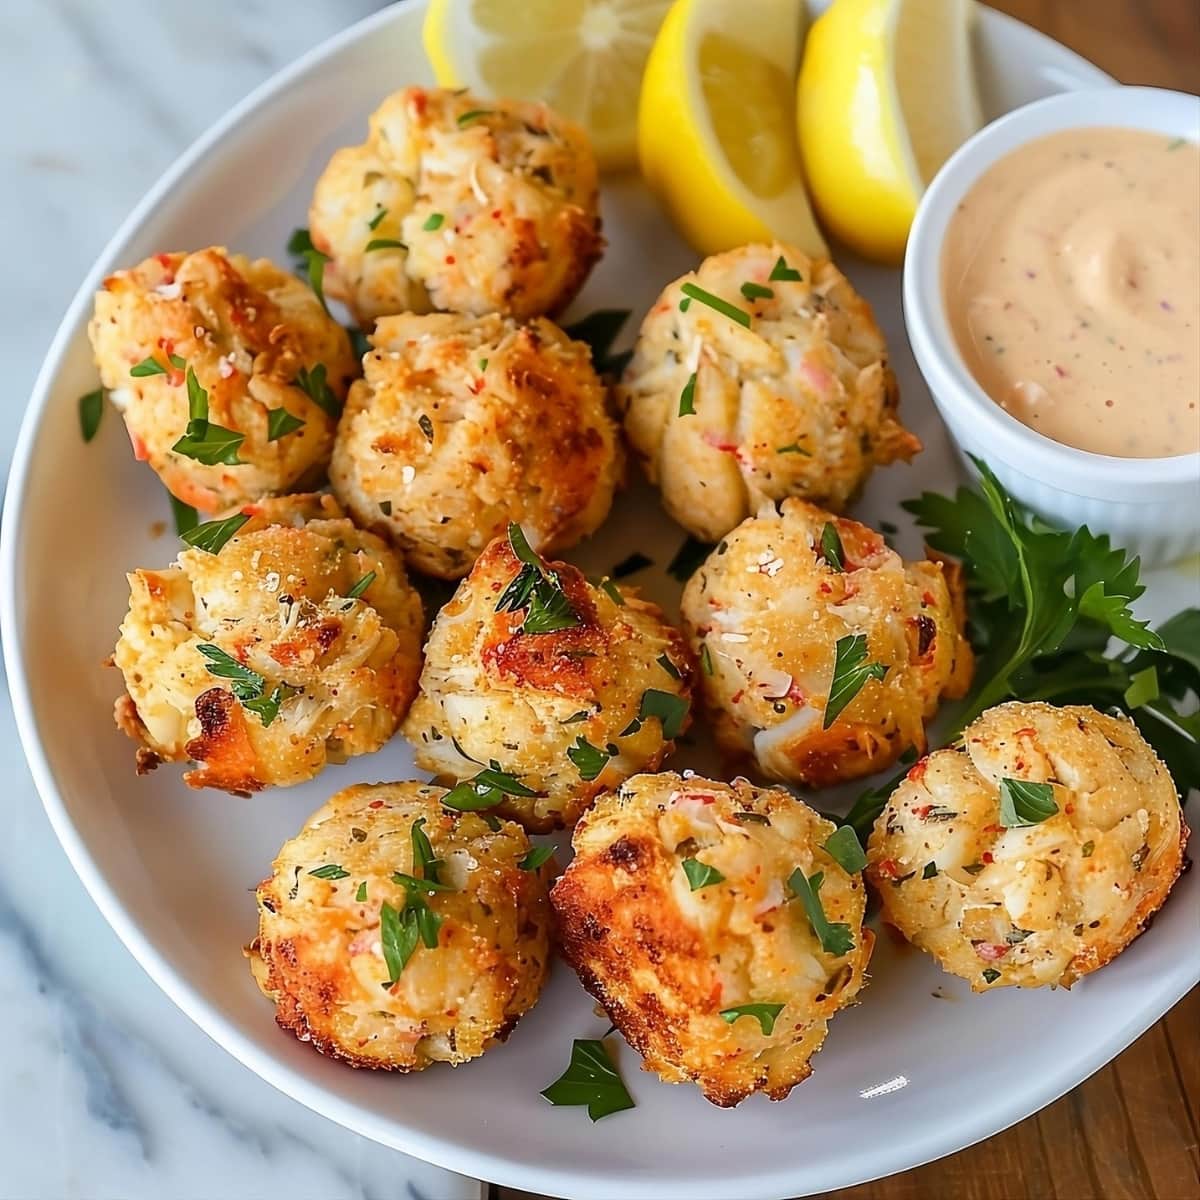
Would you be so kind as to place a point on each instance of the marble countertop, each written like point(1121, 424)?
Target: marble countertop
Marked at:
point(108, 1090)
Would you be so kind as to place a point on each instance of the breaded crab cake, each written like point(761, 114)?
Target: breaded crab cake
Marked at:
point(394, 933)
point(1034, 851)
point(823, 652)
point(462, 424)
point(791, 395)
point(242, 345)
point(295, 643)
point(545, 689)
point(460, 204)
point(715, 928)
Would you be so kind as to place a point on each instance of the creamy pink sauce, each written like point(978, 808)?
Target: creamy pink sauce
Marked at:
point(1071, 278)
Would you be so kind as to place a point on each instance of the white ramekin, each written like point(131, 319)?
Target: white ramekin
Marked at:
point(1151, 506)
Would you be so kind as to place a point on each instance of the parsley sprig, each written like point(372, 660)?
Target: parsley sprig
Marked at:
point(851, 670)
point(209, 444)
point(485, 790)
point(834, 936)
point(246, 684)
point(537, 590)
point(591, 1079)
point(599, 330)
point(212, 535)
point(764, 1014)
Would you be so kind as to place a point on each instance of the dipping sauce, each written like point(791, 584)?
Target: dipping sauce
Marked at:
point(1071, 278)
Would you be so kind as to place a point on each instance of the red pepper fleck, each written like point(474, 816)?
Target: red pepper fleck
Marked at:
point(1070, 808)
point(922, 810)
point(375, 804)
point(1028, 731)
point(991, 951)
point(450, 260)
point(496, 213)
point(889, 868)
point(917, 771)
point(736, 697)
point(987, 857)
point(927, 599)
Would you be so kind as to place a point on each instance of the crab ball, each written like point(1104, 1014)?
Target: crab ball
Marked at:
point(563, 688)
point(295, 643)
point(1034, 851)
point(462, 424)
point(460, 204)
point(245, 341)
point(824, 652)
point(715, 928)
point(791, 395)
point(394, 933)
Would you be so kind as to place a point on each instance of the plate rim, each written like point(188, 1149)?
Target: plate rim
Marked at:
point(452, 1153)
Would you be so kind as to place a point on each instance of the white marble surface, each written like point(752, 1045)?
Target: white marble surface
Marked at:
point(106, 1090)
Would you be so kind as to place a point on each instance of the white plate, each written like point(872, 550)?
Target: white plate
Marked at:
point(919, 1069)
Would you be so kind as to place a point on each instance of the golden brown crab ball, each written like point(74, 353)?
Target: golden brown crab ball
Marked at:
point(462, 424)
point(1033, 852)
point(273, 365)
point(824, 653)
point(563, 687)
point(461, 204)
point(715, 928)
point(295, 643)
point(394, 933)
point(790, 396)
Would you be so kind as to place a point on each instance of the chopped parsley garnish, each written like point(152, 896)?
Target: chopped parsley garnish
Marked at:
point(246, 684)
point(1025, 803)
point(483, 362)
point(385, 507)
point(330, 871)
point(591, 1079)
point(834, 936)
point(850, 672)
point(417, 886)
point(361, 586)
point(832, 550)
point(374, 222)
point(209, 444)
point(91, 409)
point(670, 709)
point(751, 818)
point(668, 666)
point(424, 859)
point(588, 759)
point(536, 590)
point(361, 894)
point(314, 384)
point(756, 291)
point(1176, 143)
point(537, 858)
point(1088, 849)
point(930, 870)
point(700, 875)
point(599, 330)
point(575, 718)
point(687, 398)
point(300, 245)
point(212, 535)
point(384, 244)
point(687, 558)
point(793, 448)
point(613, 592)
point(186, 518)
point(693, 292)
point(781, 271)
point(151, 366)
point(764, 1014)
point(433, 221)
point(843, 847)
point(990, 974)
point(398, 938)
point(636, 561)
point(706, 662)
point(280, 423)
point(426, 426)
point(474, 115)
point(485, 790)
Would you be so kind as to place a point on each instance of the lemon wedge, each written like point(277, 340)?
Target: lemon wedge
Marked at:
point(716, 135)
point(584, 58)
point(887, 92)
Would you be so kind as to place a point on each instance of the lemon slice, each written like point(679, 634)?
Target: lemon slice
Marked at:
point(582, 57)
point(716, 134)
point(887, 92)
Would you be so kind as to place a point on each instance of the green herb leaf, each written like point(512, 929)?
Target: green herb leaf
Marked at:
point(398, 938)
point(384, 244)
point(186, 518)
point(843, 847)
point(591, 1079)
point(670, 709)
point(756, 291)
point(751, 818)
point(426, 426)
point(423, 856)
point(151, 366)
point(930, 870)
point(694, 292)
point(313, 383)
point(793, 448)
point(300, 243)
point(850, 672)
point(589, 760)
point(706, 662)
point(687, 398)
point(667, 665)
point(631, 564)
point(217, 446)
point(212, 535)
point(280, 423)
point(1025, 803)
point(764, 1014)
point(688, 558)
point(1087, 849)
point(599, 330)
point(537, 858)
point(433, 221)
point(374, 222)
point(700, 875)
point(267, 706)
point(361, 894)
point(612, 591)
point(91, 409)
point(247, 684)
point(834, 936)
point(781, 271)
point(990, 974)
point(831, 547)
point(330, 871)
point(537, 590)
point(411, 883)
point(474, 115)
point(361, 586)
point(485, 790)
point(314, 268)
